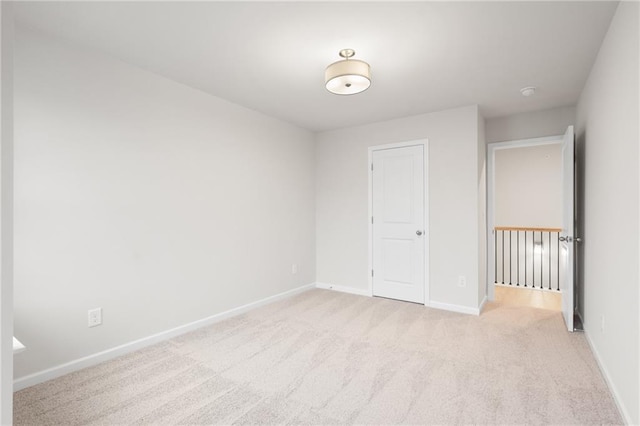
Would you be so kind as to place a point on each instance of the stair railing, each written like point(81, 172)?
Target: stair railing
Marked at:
point(527, 257)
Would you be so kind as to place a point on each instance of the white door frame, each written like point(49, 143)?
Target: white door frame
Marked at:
point(491, 172)
point(425, 144)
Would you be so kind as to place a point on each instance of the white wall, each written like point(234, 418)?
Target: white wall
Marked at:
point(607, 135)
point(6, 213)
point(159, 203)
point(528, 186)
point(548, 122)
point(482, 210)
point(342, 199)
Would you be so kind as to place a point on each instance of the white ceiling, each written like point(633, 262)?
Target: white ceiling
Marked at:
point(424, 56)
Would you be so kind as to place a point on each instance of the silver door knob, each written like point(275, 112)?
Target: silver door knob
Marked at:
point(571, 239)
point(418, 233)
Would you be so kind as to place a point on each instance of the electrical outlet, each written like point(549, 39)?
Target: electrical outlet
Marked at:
point(602, 323)
point(462, 281)
point(95, 317)
point(294, 268)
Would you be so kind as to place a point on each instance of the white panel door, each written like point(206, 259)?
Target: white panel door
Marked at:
point(568, 226)
point(399, 234)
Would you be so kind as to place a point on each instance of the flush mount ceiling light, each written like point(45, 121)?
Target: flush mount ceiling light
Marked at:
point(528, 91)
point(349, 76)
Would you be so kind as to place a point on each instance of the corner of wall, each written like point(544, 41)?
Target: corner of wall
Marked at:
point(482, 212)
point(176, 224)
point(6, 213)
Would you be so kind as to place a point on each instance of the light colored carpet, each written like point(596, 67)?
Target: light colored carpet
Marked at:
point(324, 357)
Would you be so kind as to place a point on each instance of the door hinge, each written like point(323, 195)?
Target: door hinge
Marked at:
point(371, 219)
point(371, 166)
point(372, 272)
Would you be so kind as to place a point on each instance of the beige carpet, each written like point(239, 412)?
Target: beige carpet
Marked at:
point(324, 357)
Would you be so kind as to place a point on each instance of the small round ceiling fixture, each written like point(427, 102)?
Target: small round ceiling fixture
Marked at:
point(528, 91)
point(348, 76)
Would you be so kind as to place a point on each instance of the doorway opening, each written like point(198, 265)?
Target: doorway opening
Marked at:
point(525, 218)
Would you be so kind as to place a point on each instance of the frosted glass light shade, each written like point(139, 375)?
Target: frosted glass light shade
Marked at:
point(347, 77)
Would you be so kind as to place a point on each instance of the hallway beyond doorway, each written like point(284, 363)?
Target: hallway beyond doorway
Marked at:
point(528, 297)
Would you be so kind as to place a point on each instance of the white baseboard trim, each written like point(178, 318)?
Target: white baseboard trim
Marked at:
point(607, 378)
point(481, 307)
point(97, 358)
point(343, 289)
point(436, 305)
point(454, 308)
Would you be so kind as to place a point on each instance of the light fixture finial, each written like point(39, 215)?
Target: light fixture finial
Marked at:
point(347, 53)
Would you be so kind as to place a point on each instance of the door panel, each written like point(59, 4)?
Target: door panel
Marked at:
point(397, 260)
point(398, 181)
point(568, 228)
point(399, 237)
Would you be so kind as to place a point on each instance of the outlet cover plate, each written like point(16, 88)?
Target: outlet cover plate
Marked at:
point(462, 281)
point(95, 317)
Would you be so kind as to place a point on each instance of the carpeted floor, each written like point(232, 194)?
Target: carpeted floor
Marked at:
point(324, 357)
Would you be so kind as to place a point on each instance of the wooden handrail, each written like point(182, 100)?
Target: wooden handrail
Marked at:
point(519, 228)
